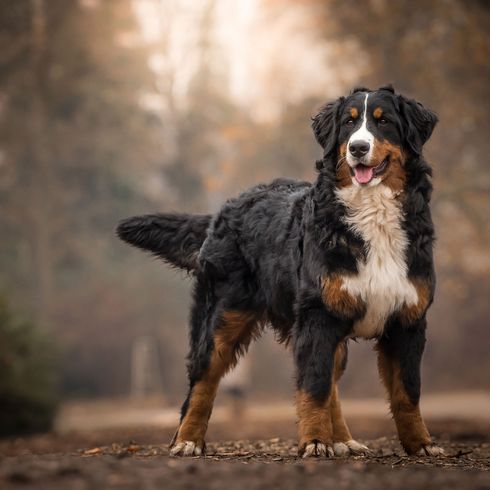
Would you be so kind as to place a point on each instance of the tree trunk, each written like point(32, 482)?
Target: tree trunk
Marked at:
point(41, 188)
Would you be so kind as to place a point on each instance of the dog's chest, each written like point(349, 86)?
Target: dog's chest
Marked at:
point(382, 281)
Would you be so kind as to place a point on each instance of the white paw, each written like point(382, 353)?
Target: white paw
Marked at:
point(350, 447)
point(431, 450)
point(357, 448)
point(187, 448)
point(318, 449)
point(341, 449)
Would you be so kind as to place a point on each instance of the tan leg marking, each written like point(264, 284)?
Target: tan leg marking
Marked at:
point(314, 426)
point(234, 335)
point(339, 300)
point(343, 444)
point(340, 430)
point(412, 430)
point(410, 314)
point(322, 427)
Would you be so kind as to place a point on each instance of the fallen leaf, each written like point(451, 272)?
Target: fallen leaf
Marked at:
point(133, 448)
point(93, 451)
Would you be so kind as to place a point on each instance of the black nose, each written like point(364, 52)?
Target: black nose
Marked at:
point(359, 148)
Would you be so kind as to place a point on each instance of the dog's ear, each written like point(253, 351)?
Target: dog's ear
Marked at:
point(419, 123)
point(325, 125)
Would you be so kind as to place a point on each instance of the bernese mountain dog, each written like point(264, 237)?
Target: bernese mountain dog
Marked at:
point(347, 256)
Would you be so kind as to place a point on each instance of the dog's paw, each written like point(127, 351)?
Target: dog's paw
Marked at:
point(317, 449)
point(431, 450)
point(187, 448)
point(357, 448)
point(350, 447)
point(341, 449)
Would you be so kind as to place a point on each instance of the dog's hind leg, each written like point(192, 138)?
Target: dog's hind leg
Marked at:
point(213, 352)
point(343, 444)
point(400, 352)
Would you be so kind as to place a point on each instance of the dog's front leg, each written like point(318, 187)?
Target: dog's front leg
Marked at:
point(315, 341)
point(400, 352)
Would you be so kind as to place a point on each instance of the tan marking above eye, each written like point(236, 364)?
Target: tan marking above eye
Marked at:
point(354, 113)
point(378, 112)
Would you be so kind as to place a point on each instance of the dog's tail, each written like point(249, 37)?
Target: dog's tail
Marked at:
point(176, 238)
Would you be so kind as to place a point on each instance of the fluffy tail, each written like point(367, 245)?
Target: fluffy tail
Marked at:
point(176, 238)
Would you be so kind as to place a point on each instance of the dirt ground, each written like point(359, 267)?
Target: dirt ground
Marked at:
point(244, 455)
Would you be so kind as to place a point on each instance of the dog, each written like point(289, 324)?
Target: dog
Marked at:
point(348, 256)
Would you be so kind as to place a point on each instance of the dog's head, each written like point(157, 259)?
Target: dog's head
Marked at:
point(369, 135)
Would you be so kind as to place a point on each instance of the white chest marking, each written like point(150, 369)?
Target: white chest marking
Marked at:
point(382, 281)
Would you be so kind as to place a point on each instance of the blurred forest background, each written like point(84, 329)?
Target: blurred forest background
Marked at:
point(115, 108)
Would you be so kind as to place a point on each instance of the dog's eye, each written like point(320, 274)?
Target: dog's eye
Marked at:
point(349, 122)
point(383, 121)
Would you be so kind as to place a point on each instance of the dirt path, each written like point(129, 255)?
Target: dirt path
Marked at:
point(249, 456)
point(246, 465)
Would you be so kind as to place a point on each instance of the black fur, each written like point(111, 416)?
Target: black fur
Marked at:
point(176, 238)
point(418, 121)
point(266, 251)
point(406, 346)
point(326, 125)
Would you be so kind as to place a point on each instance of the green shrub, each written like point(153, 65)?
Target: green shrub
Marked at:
point(28, 396)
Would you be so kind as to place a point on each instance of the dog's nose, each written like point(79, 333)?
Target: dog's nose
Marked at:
point(359, 148)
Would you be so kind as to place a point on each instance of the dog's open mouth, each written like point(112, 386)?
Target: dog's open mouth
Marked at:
point(364, 174)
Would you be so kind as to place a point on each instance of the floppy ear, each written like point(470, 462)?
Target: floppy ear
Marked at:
point(419, 123)
point(325, 125)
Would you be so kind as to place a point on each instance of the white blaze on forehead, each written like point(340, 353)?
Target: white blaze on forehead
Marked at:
point(362, 134)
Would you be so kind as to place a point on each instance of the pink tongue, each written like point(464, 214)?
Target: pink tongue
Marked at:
point(363, 174)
